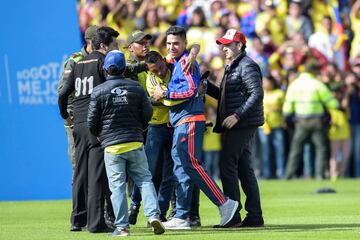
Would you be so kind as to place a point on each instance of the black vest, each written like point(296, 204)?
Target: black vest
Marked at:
point(88, 73)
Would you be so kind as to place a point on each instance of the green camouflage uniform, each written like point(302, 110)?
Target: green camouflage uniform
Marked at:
point(136, 70)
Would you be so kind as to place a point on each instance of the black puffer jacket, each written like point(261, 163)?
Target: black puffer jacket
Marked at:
point(119, 110)
point(242, 88)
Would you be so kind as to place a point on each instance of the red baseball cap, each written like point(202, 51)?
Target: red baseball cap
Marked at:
point(231, 35)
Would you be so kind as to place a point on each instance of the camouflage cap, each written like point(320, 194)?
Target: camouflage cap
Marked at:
point(90, 32)
point(137, 36)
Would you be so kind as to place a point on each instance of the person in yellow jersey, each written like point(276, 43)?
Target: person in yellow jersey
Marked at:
point(160, 136)
point(339, 134)
point(272, 133)
point(355, 26)
point(307, 98)
point(160, 133)
point(268, 19)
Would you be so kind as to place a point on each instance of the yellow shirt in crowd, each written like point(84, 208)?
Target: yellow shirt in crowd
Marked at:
point(276, 26)
point(355, 26)
point(212, 141)
point(339, 128)
point(273, 102)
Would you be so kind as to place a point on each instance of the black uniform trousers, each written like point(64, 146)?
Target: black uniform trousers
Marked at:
point(235, 163)
point(90, 181)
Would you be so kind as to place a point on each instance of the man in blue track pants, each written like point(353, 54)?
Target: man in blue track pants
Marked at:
point(188, 120)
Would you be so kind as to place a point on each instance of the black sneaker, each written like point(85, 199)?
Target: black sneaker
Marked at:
point(195, 221)
point(133, 214)
point(104, 229)
point(235, 222)
point(253, 222)
point(75, 228)
point(163, 218)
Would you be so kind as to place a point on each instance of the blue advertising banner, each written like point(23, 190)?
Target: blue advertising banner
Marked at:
point(37, 36)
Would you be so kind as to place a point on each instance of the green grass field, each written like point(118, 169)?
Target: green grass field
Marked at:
point(291, 211)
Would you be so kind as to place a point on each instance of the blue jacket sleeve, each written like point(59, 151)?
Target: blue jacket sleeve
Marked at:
point(183, 85)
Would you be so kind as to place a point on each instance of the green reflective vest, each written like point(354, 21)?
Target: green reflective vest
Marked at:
point(307, 97)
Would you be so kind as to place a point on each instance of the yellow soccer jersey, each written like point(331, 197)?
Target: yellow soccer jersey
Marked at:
point(160, 111)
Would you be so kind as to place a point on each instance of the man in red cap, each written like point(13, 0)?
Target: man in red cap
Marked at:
point(239, 114)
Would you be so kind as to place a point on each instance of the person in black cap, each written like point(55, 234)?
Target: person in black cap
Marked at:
point(118, 112)
point(138, 45)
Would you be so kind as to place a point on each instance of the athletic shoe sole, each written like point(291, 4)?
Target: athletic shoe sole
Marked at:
point(157, 226)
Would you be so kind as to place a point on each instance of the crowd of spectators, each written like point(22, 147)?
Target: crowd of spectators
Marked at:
point(282, 35)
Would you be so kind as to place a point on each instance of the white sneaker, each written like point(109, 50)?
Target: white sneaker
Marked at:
point(177, 224)
point(227, 211)
point(156, 224)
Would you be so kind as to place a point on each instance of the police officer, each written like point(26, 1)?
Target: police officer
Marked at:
point(307, 99)
point(68, 66)
point(138, 44)
point(90, 181)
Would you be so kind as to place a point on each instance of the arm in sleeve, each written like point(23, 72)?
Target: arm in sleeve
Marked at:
point(289, 102)
point(151, 84)
point(185, 85)
point(66, 90)
point(326, 97)
point(146, 108)
point(274, 60)
point(134, 69)
point(94, 114)
point(213, 90)
point(252, 78)
point(69, 65)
